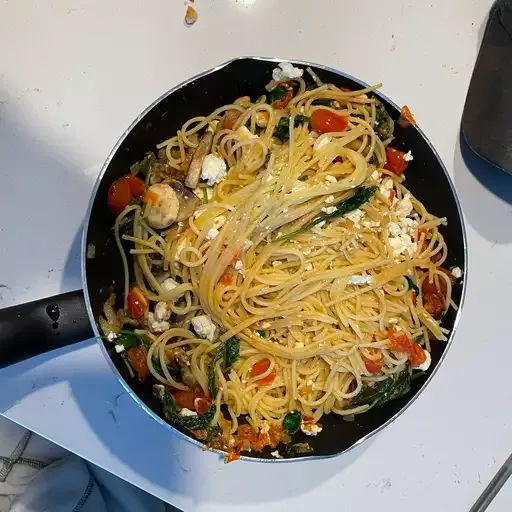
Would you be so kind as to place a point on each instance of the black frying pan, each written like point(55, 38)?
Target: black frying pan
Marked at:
point(37, 327)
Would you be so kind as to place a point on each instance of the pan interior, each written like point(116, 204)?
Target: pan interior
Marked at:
point(426, 179)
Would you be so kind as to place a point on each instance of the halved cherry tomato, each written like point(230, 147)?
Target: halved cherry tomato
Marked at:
point(433, 304)
point(325, 121)
point(372, 366)
point(400, 342)
point(395, 161)
point(261, 367)
point(136, 185)
point(137, 358)
point(137, 302)
point(427, 287)
point(119, 195)
point(288, 95)
point(192, 400)
point(392, 195)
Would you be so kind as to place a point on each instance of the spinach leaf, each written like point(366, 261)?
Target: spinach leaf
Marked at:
point(201, 422)
point(292, 450)
point(143, 166)
point(361, 196)
point(324, 101)
point(417, 339)
point(418, 375)
point(276, 94)
point(128, 338)
point(291, 422)
point(411, 284)
point(282, 131)
point(262, 333)
point(384, 391)
point(383, 124)
point(227, 353)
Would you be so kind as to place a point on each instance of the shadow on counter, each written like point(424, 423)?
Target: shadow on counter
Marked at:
point(491, 218)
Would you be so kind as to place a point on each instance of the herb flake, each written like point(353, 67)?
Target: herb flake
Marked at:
point(291, 422)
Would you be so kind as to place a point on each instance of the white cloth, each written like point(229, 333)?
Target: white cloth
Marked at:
point(39, 476)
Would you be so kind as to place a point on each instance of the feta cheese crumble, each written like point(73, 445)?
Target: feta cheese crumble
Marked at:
point(329, 200)
point(358, 280)
point(311, 429)
point(169, 284)
point(331, 179)
point(408, 156)
point(286, 71)
point(119, 348)
point(204, 327)
point(355, 216)
point(212, 233)
point(329, 209)
point(456, 272)
point(239, 265)
point(214, 169)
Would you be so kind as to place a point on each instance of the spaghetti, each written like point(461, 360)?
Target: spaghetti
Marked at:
point(307, 280)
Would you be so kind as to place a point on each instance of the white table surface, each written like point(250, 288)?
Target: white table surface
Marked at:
point(74, 74)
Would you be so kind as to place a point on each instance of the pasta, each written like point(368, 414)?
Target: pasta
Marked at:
point(301, 278)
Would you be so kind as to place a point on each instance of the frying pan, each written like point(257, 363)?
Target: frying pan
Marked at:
point(30, 329)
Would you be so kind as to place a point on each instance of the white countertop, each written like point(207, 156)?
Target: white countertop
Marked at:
point(74, 74)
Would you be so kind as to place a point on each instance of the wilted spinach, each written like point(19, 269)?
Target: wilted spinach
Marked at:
point(227, 353)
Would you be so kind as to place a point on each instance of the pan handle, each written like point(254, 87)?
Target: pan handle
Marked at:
point(34, 328)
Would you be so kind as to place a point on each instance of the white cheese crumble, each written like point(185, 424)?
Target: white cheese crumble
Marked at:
point(204, 327)
point(386, 186)
point(169, 284)
point(212, 233)
point(157, 326)
point(162, 312)
point(368, 224)
point(310, 429)
point(320, 224)
point(408, 156)
point(426, 364)
point(276, 454)
point(456, 272)
point(329, 209)
point(187, 412)
point(329, 200)
point(111, 336)
point(400, 236)
point(375, 175)
point(331, 179)
point(277, 263)
point(355, 216)
point(286, 71)
point(239, 265)
point(393, 321)
point(309, 266)
point(214, 169)
point(404, 206)
point(358, 280)
point(119, 348)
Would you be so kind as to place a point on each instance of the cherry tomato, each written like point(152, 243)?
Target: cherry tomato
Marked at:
point(417, 355)
point(288, 95)
point(137, 358)
point(227, 278)
point(119, 195)
point(192, 400)
point(395, 161)
point(136, 185)
point(261, 367)
point(406, 118)
point(372, 366)
point(137, 302)
point(325, 121)
point(433, 304)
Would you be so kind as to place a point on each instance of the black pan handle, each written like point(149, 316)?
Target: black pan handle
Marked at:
point(37, 327)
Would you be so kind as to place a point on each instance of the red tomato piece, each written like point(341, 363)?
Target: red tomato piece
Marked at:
point(417, 355)
point(433, 304)
point(201, 404)
point(227, 278)
point(137, 302)
point(136, 185)
point(230, 118)
point(192, 400)
point(372, 366)
point(261, 367)
point(406, 115)
point(395, 161)
point(344, 89)
point(288, 95)
point(325, 121)
point(119, 195)
point(137, 358)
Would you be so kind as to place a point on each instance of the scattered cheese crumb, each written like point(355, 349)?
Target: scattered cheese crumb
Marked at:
point(286, 71)
point(404, 206)
point(276, 454)
point(119, 348)
point(309, 266)
point(187, 412)
point(426, 364)
point(212, 233)
point(329, 209)
point(355, 216)
point(331, 179)
point(239, 265)
point(408, 156)
point(329, 200)
point(456, 272)
point(357, 280)
point(246, 245)
point(204, 327)
point(169, 284)
point(311, 429)
point(277, 263)
point(320, 224)
point(214, 169)
point(111, 336)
